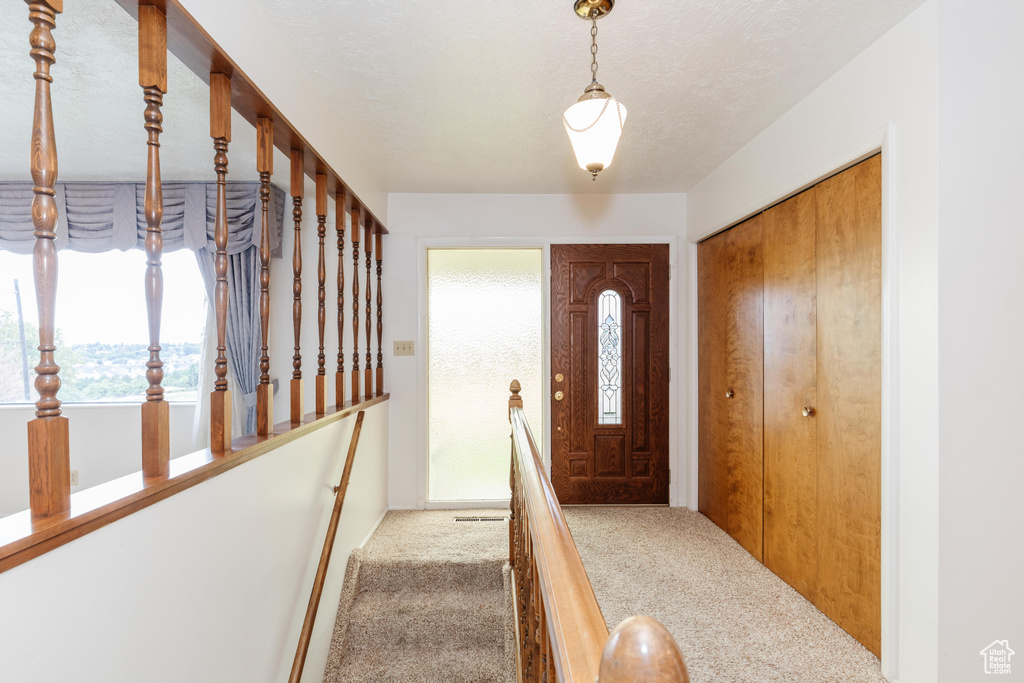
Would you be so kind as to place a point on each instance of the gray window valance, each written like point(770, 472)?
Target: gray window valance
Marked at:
point(101, 216)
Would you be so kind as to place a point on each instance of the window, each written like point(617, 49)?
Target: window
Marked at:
point(609, 357)
point(484, 329)
point(102, 327)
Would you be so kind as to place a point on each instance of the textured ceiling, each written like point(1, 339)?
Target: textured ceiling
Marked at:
point(98, 106)
point(453, 96)
point(457, 96)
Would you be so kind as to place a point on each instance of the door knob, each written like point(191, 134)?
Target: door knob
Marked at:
point(728, 393)
point(808, 411)
point(559, 395)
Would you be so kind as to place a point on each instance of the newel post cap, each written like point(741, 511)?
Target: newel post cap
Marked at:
point(641, 650)
point(515, 400)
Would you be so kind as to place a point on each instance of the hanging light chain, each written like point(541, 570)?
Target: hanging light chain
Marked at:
point(604, 108)
point(593, 47)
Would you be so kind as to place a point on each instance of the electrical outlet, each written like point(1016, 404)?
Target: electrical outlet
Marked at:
point(404, 348)
point(74, 477)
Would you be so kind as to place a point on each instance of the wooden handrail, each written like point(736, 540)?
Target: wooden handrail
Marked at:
point(575, 624)
point(194, 47)
point(325, 557)
point(562, 633)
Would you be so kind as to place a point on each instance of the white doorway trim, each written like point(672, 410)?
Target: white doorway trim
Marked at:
point(677, 455)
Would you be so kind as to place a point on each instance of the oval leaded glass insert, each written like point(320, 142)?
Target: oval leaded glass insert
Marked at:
point(609, 358)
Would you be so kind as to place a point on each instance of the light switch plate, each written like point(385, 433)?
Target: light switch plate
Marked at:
point(404, 348)
point(74, 477)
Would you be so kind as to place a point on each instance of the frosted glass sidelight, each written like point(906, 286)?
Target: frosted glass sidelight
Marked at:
point(609, 360)
point(484, 329)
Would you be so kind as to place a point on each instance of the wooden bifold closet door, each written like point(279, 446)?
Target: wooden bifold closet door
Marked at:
point(819, 254)
point(731, 342)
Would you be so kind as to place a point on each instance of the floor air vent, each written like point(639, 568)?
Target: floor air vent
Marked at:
point(481, 519)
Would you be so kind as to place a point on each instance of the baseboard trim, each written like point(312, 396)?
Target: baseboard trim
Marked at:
point(376, 524)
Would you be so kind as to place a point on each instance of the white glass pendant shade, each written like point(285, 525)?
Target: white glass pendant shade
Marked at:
point(594, 127)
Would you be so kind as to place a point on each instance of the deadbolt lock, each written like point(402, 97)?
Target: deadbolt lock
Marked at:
point(559, 395)
point(559, 377)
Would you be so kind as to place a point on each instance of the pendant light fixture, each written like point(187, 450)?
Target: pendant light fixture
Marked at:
point(594, 123)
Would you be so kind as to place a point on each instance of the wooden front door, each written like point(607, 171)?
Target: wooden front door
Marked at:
point(609, 373)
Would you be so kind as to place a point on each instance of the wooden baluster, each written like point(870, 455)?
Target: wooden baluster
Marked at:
point(543, 642)
point(525, 616)
point(48, 459)
point(220, 131)
point(531, 623)
point(356, 223)
point(265, 166)
point(641, 649)
point(539, 633)
point(380, 316)
point(368, 247)
point(512, 512)
point(341, 203)
point(518, 519)
point(321, 291)
point(298, 180)
point(523, 578)
point(156, 436)
point(548, 675)
point(514, 401)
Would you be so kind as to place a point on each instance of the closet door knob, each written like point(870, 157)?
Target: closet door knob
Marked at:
point(808, 411)
point(728, 393)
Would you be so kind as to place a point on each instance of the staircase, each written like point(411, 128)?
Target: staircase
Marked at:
point(427, 600)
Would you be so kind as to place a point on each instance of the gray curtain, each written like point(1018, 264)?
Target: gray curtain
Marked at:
point(95, 217)
point(243, 338)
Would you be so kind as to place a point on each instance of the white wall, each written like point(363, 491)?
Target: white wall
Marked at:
point(256, 45)
point(481, 220)
point(981, 333)
point(95, 454)
point(887, 93)
point(210, 584)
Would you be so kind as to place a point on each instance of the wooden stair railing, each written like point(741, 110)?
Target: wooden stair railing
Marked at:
point(298, 186)
point(380, 316)
point(357, 219)
point(561, 632)
point(265, 166)
point(49, 461)
point(321, 292)
point(325, 557)
point(220, 131)
point(55, 516)
point(156, 431)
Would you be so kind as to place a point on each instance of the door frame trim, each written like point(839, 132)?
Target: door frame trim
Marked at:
point(677, 404)
point(881, 140)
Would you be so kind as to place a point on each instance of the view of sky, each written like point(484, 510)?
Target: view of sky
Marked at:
point(101, 297)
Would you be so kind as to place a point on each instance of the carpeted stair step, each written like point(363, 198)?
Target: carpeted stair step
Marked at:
point(414, 619)
point(391, 576)
point(426, 601)
point(431, 664)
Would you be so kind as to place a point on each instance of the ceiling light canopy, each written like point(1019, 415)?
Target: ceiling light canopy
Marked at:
point(595, 122)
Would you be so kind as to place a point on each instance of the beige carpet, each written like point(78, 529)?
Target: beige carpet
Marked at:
point(426, 600)
point(734, 620)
